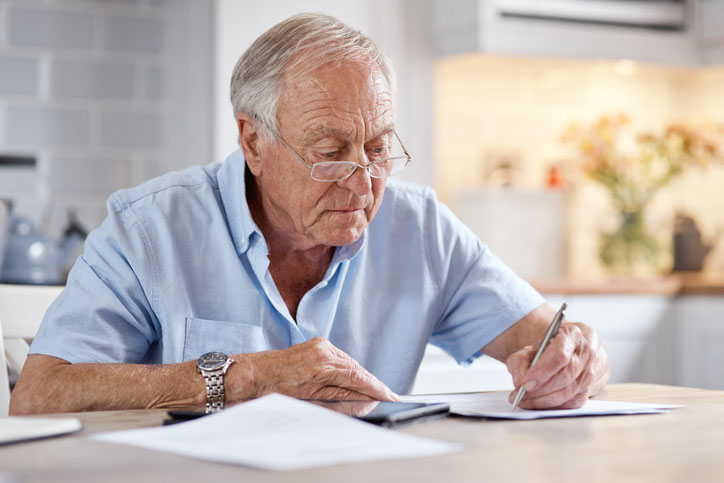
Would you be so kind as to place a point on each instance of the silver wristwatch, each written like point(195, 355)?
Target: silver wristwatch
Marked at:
point(213, 366)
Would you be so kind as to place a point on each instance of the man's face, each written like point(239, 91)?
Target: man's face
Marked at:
point(336, 113)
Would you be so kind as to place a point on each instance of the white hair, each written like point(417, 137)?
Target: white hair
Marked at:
point(298, 45)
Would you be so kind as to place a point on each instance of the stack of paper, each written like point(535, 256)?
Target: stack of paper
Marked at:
point(280, 433)
point(496, 405)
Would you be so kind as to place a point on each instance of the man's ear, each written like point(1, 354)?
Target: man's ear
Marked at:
point(249, 141)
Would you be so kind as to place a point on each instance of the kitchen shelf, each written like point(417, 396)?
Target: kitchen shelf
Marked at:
point(671, 285)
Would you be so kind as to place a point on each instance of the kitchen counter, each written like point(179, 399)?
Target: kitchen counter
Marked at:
point(675, 284)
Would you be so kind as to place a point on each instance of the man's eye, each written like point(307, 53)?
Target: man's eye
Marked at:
point(378, 151)
point(330, 154)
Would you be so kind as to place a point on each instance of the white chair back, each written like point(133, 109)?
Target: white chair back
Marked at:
point(22, 308)
point(4, 382)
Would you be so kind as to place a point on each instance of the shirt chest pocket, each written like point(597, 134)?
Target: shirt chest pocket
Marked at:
point(204, 335)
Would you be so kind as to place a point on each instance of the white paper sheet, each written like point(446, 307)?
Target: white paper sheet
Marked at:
point(496, 405)
point(277, 432)
point(20, 428)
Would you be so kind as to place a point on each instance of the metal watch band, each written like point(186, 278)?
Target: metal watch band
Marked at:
point(214, 391)
point(213, 366)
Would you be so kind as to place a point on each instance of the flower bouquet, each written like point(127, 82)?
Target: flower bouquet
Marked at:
point(633, 168)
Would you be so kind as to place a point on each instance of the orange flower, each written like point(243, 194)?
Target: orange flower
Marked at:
point(634, 175)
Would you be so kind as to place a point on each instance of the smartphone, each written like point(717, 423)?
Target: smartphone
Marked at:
point(388, 413)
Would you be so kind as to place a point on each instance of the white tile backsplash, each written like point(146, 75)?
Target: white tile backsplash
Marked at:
point(142, 35)
point(19, 75)
point(46, 126)
point(49, 28)
point(85, 88)
point(92, 79)
point(131, 129)
point(71, 174)
point(16, 180)
point(153, 79)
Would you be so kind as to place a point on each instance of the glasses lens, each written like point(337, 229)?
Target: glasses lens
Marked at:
point(388, 167)
point(386, 162)
point(332, 171)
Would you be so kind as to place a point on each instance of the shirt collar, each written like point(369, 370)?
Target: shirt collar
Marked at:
point(232, 188)
point(244, 231)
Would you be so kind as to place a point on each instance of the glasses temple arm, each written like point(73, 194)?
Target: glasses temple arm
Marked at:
point(404, 149)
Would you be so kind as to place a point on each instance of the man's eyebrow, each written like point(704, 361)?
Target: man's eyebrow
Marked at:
point(319, 132)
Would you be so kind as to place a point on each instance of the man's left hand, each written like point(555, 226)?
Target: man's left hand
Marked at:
point(572, 368)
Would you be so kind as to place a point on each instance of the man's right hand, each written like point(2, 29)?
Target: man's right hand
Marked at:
point(314, 369)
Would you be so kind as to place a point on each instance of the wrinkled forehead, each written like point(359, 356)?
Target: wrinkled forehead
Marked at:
point(355, 84)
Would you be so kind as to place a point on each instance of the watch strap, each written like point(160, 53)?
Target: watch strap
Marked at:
point(214, 380)
point(215, 395)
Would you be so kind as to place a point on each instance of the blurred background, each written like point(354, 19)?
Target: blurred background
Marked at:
point(581, 139)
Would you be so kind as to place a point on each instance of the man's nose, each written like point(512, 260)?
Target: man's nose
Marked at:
point(359, 181)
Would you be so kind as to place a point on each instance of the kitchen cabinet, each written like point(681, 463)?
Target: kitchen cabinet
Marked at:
point(652, 338)
point(485, 26)
point(700, 337)
point(439, 373)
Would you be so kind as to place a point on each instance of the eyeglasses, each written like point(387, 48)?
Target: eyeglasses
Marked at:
point(382, 166)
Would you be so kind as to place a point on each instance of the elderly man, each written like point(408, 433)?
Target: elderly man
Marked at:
point(294, 266)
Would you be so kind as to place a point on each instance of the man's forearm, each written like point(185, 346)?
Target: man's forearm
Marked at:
point(314, 369)
point(51, 385)
point(527, 331)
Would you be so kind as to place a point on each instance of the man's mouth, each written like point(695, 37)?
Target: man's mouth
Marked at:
point(346, 210)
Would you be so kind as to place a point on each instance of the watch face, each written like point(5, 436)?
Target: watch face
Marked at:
point(212, 361)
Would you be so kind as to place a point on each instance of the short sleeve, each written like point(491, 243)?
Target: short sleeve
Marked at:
point(105, 312)
point(481, 295)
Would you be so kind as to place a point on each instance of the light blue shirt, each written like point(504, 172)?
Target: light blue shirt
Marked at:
point(179, 268)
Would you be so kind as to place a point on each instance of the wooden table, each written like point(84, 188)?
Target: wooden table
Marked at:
point(685, 445)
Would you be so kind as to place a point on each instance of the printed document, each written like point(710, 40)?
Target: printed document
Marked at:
point(496, 405)
point(277, 432)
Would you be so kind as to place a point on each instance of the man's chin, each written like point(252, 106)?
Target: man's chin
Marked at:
point(341, 229)
point(340, 238)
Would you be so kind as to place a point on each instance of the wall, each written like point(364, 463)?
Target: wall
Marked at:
point(491, 110)
point(399, 26)
point(105, 94)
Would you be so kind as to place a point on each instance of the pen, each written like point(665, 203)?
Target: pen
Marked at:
point(550, 334)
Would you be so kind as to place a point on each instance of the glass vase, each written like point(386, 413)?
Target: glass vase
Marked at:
point(630, 250)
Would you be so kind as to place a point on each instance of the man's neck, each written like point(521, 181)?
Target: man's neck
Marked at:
point(295, 272)
point(295, 265)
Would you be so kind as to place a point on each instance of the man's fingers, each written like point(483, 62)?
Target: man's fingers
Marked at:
point(572, 395)
point(578, 362)
point(564, 375)
point(519, 363)
point(339, 370)
point(558, 356)
point(334, 393)
point(356, 378)
point(315, 369)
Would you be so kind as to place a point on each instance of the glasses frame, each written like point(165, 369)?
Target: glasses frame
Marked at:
point(348, 163)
